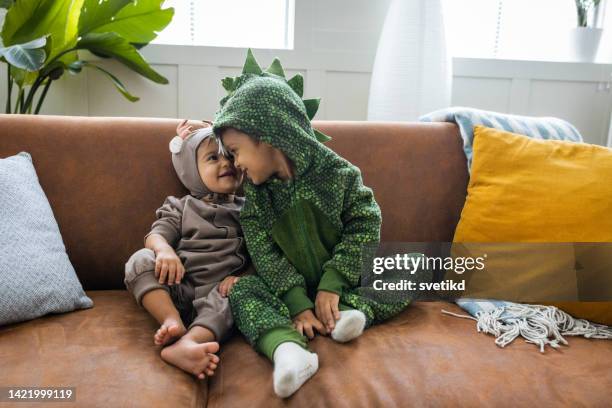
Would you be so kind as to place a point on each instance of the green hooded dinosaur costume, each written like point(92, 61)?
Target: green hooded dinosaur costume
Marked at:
point(307, 234)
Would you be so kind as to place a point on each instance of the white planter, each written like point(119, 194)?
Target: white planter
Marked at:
point(412, 73)
point(584, 43)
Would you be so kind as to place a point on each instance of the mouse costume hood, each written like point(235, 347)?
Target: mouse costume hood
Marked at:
point(185, 161)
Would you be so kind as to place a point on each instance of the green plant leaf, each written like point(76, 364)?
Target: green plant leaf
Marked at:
point(297, 84)
point(63, 62)
point(27, 20)
point(26, 16)
point(250, 64)
point(77, 66)
point(29, 56)
point(137, 22)
point(95, 14)
point(6, 3)
point(312, 106)
point(119, 48)
point(276, 68)
point(23, 77)
point(99, 54)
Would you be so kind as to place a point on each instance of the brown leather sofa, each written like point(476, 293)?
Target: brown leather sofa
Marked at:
point(105, 177)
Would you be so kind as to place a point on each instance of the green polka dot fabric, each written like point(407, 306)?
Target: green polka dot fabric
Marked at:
point(264, 105)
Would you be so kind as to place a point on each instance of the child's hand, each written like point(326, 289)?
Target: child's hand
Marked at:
point(183, 129)
point(168, 265)
point(306, 321)
point(227, 284)
point(326, 308)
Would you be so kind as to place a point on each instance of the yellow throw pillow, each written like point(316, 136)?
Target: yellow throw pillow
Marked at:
point(518, 272)
point(528, 190)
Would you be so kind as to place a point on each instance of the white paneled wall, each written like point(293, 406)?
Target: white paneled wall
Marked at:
point(580, 93)
point(485, 93)
point(335, 47)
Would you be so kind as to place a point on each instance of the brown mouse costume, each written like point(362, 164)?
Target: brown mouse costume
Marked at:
point(203, 229)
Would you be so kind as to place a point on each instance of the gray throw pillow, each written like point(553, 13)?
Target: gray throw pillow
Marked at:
point(36, 276)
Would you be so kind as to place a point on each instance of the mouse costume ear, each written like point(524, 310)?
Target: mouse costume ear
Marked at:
point(176, 143)
point(185, 160)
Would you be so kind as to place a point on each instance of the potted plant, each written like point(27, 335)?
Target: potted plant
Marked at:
point(43, 39)
point(586, 36)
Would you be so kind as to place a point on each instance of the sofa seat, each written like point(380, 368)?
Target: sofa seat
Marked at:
point(419, 358)
point(106, 352)
point(425, 358)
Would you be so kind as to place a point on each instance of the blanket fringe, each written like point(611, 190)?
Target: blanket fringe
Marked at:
point(537, 324)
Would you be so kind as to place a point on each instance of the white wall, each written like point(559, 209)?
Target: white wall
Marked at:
point(578, 92)
point(335, 46)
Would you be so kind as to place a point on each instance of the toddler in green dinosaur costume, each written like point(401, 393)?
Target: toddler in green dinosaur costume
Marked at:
point(307, 221)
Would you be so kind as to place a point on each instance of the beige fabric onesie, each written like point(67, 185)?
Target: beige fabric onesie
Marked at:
point(207, 237)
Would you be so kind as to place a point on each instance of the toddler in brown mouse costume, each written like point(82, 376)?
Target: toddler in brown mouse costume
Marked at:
point(192, 255)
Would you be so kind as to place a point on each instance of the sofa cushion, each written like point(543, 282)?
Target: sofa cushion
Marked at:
point(37, 276)
point(529, 190)
point(423, 358)
point(106, 352)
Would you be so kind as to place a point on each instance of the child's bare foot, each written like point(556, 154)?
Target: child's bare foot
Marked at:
point(169, 330)
point(195, 358)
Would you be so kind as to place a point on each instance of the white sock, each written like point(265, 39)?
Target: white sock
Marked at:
point(293, 366)
point(349, 326)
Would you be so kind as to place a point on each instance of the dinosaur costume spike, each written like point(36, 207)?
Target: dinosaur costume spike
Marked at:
point(228, 84)
point(297, 84)
point(312, 106)
point(251, 70)
point(276, 68)
point(322, 137)
point(250, 65)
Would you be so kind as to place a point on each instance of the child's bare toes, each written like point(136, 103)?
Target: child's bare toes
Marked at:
point(212, 366)
point(176, 330)
point(214, 358)
point(160, 335)
point(212, 348)
point(168, 331)
point(190, 356)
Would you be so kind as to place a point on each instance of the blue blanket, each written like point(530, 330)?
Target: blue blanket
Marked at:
point(536, 127)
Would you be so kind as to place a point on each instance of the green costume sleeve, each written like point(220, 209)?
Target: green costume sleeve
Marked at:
point(361, 218)
point(274, 267)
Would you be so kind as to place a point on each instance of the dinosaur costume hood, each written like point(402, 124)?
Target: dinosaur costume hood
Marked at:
point(264, 105)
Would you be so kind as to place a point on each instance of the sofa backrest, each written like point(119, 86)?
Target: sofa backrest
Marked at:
point(105, 177)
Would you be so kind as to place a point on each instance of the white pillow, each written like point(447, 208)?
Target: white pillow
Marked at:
point(36, 276)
